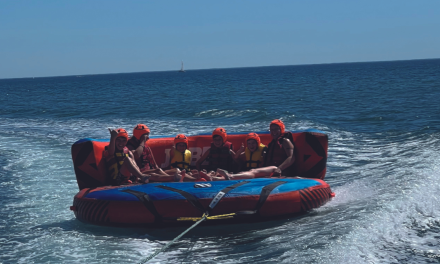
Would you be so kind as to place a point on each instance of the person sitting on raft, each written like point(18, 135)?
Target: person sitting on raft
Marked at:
point(219, 155)
point(280, 151)
point(144, 156)
point(278, 159)
point(253, 155)
point(120, 162)
point(180, 157)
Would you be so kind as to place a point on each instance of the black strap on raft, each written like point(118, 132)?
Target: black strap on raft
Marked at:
point(148, 203)
point(222, 193)
point(265, 192)
point(193, 200)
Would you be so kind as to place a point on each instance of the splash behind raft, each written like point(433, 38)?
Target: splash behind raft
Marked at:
point(168, 204)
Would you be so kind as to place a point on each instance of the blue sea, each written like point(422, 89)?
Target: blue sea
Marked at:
point(383, 123)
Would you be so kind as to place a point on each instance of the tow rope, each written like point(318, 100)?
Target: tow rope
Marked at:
point(263, 196)
point(197, 204)
point(174, 240)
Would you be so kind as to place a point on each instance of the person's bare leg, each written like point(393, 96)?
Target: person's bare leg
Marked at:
point(158, 177)
point(195, 174)
point(205, 176)
point(255, 173)
point(263, 172)
point(160, 171)
point(130, 165)
point(188, 176)
point(170, 171)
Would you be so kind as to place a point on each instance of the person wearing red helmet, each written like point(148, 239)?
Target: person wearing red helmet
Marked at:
point(142, 152)
point(253, 157)
point(144, 156)
point(122, 168)
point(252, 154)
point(280, 151)
point(219, 155)
point(180, 158)
point(278, 159)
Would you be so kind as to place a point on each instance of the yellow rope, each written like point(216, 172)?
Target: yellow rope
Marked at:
point(215, 217)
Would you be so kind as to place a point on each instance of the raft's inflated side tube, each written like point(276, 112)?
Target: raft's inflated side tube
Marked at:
point(166, 204)
point(311, 148)
point(88, 163)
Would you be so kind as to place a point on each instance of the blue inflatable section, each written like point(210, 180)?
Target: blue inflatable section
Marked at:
point(253, 187)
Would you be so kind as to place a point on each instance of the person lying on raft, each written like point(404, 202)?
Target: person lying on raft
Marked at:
point(219, 155)
point(143, 155)
point(253, 155)
point(120, 161)
point(180, 158)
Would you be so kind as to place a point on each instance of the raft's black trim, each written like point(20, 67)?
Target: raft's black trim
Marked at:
point(265, 192)
point(317, 199)
point(98, 210)
point(148, 203)
point(92, 210)
point(314, 143)
point(193, 200)
point(307, 199)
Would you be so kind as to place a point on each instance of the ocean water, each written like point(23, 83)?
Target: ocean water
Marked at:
point(383, 122)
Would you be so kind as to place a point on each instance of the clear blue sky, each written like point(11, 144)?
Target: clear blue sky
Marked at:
point(52, 38)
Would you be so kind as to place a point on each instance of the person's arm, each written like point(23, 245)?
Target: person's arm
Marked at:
point(171, 156)
point(152, 156)
point(288, 148)
point(140, 149)
point(202, 159)
point(240, 151)
point(113, 136)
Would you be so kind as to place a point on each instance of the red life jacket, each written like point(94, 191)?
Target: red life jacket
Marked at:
point(146, 160)
point(219, 158)
point(276, 154)
point(114, 164)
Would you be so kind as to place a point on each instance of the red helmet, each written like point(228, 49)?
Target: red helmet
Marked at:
point(139, 130)
point(280, 124)
point(181, 138)
point(220, 131)
point(253, 136)
point(122, 133)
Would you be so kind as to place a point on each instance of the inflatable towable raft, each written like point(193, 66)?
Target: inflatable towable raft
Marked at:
point(176, 203)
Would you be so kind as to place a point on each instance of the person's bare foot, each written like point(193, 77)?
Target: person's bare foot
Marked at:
point(183, 175)
point(145, 178)
point(205, 176)
point(224, 174)
point(177, 176)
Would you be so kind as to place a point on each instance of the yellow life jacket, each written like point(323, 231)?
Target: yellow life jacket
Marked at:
point(254, 159)
point(181, 160)
point(114, 163)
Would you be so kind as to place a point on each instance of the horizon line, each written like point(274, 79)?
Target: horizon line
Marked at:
point(205, 69)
